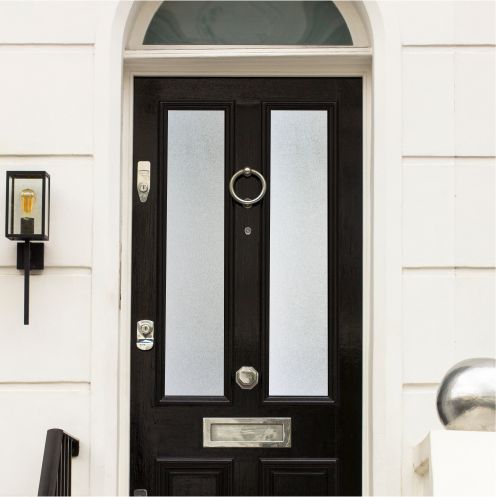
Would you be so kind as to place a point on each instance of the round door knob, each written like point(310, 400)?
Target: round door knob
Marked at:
point(247, 377)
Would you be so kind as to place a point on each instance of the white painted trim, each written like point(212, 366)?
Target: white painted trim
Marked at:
point(297, 65)
point(246, 51)
point(353, 18)
point(105, 269)
point(220, 61)
point(146, 12)
point(384, 358)
point(386, 346)
point(105, 407)
point(126, 258)
point(351, 15)
point(367, 284)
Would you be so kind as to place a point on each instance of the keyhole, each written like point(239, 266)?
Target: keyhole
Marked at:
point(247, 230)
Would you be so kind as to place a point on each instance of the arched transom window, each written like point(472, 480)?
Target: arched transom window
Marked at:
point(313, 23)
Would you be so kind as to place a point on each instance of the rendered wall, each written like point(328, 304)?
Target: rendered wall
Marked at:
point(47, 112)
point(449, 136)
point(46, 122)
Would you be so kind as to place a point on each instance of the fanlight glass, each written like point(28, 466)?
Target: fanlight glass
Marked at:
point(248, 23)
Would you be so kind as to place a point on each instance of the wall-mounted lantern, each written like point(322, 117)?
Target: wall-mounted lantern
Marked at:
point(28, 219)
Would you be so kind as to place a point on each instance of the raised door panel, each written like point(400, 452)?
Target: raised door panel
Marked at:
point(298, 476)
point(194, 476)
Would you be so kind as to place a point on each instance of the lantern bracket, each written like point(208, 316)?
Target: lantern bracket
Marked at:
point(37, 256)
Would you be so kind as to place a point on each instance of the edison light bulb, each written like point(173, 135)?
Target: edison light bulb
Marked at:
point(28, 199)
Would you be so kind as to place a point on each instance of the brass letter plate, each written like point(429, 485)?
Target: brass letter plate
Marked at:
point(246, 432)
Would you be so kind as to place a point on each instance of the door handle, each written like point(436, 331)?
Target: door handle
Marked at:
point(145, 331)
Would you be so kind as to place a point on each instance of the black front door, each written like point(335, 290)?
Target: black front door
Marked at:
point(246, 349)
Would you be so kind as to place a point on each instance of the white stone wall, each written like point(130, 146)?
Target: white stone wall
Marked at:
point(48, 90)
point(449, 136)
point(46, 122)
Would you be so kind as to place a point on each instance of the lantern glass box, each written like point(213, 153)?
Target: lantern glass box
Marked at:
point(28, 205)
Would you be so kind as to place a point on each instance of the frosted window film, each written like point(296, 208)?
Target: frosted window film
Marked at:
point(248, 23)
point(298, 253)
point(194, 317)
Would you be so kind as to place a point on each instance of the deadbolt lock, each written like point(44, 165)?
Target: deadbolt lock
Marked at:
point(145, 332)
point(247, 377)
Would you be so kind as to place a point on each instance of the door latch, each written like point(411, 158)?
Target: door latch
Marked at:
point(145, 334)
point(143, 180)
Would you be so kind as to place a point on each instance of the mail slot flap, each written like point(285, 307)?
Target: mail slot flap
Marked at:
point(247, 432)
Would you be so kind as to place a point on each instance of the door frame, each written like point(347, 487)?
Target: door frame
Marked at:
point(108, 409)
point(264, 62)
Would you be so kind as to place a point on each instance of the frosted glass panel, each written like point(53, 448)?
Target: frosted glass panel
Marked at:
point(194, 324)
point(298, 253)
point(248, 23)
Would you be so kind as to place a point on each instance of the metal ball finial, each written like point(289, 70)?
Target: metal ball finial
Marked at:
point(466, 398)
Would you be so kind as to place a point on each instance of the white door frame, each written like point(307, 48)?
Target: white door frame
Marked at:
point(268, 61)
point(109, 442)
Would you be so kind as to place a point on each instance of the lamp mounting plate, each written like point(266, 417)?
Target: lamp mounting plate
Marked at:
point(37, 253)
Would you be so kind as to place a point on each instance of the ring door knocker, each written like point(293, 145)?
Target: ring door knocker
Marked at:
point(247, 202)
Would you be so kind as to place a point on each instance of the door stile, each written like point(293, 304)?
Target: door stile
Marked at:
point(143, 281)
point(247, 251)
point(349, 286)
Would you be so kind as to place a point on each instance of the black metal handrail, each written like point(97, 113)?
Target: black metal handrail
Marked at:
point(56, 469)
